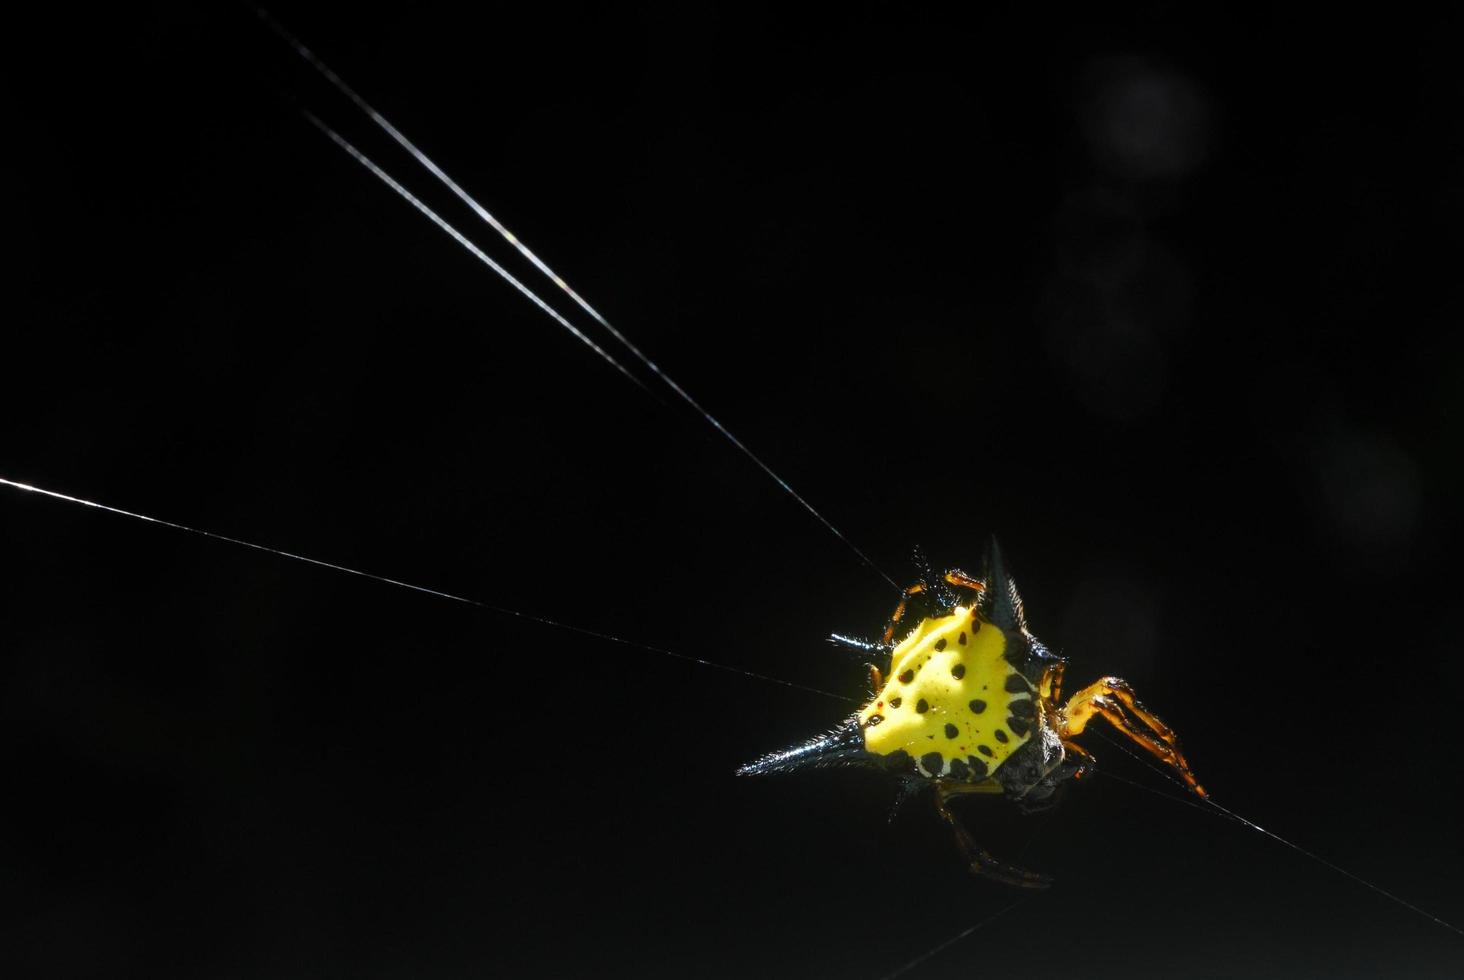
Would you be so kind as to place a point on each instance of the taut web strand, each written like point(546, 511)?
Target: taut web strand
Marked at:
point(955, 939)
point(500, 610)
point(1231, 814)
point(462, 240)
point(427, 163)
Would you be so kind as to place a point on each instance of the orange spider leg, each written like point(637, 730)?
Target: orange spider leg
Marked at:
point(1108, 697)
point(954, 577)
point(1050, 687)
point(889, 633)
point(961, 580)
point(981, 862)
point(1086, 757)
point(1079, 751)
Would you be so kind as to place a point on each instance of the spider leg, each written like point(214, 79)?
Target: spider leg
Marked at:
point(954, 577)
point(1109, 698)
point(1051, 685)
point(961, 580)
point(1086, 762)
point(855, 643)
point(899, 613)
point(876, 679)
point(981, 862)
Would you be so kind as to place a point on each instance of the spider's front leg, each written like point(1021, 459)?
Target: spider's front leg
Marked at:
point(1113, 698)
point(860, 645)
point(980, 861)
point(1085, 764)
point(888, 637)
point(955, 577)
point(876, 678)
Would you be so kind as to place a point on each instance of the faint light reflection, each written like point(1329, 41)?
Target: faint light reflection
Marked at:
point(1146, 122)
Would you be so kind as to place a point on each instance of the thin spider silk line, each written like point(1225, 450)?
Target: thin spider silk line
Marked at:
point(500, 610)
point(508, 236)
point(1225, 811)
point(385, 124)
point(462, 240)
point(941, 947)
point(1105, 774)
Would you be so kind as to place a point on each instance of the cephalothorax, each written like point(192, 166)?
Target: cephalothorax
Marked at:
point(969, 701)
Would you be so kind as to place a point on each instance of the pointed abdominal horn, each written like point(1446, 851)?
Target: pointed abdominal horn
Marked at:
point(1001, 603)
point(844, 746)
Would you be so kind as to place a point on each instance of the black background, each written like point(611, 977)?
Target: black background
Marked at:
point(1167, 301)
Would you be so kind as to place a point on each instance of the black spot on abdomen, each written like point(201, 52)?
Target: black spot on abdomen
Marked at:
point(951, 730)
point(931, 762)
point(899, 761)
point(978, 705)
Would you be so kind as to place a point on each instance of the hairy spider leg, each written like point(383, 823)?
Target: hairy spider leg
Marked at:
point(981, 862)
point(858, 645)
point(1086, 762)
point(1050, 688)
point(954, 577)
point(899, 613)
point(961, 580)
point(1109, 697)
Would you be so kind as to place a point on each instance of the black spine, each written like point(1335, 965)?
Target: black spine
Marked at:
point(844, 746)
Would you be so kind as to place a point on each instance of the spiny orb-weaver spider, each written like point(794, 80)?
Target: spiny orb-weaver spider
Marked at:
point(971, 702)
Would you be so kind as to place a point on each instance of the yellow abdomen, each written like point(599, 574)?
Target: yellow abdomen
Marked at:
point(951, 700)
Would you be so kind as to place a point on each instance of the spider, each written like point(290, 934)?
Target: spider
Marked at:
point(971, 702)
